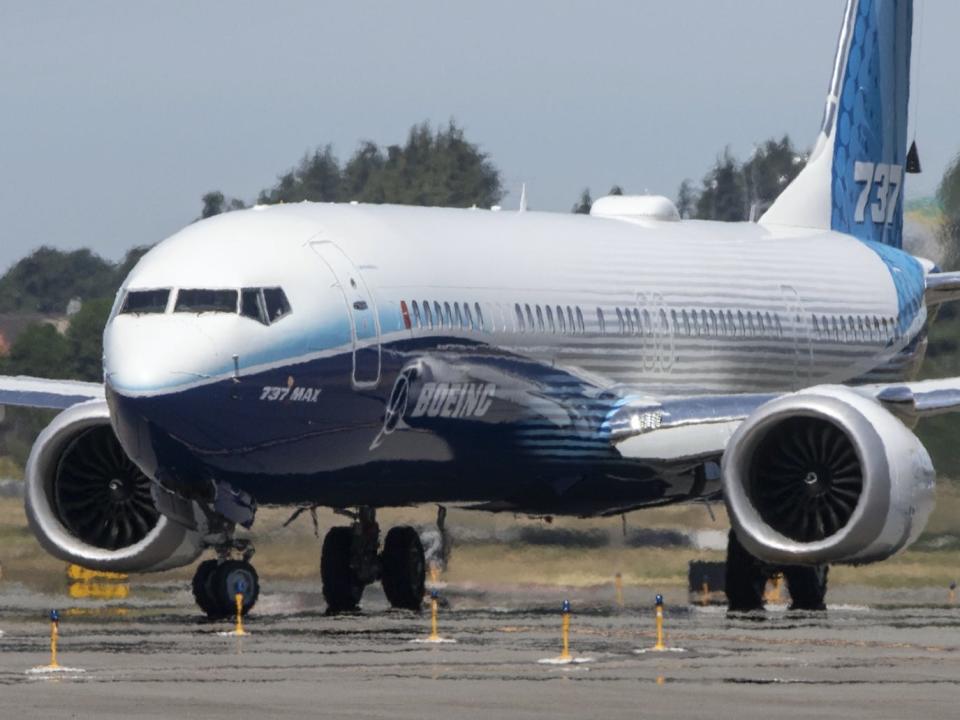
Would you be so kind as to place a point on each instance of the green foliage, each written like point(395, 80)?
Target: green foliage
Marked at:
point(85, 338)
point(47, 279)
point(582, 207)
point(724, 195)
point(686, 199)
point(433, 168)
point(948, 195)
point(40, 351)
point(731, 190)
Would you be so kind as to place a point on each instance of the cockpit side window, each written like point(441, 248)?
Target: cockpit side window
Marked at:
point(201, 301)
point(275, 303)
point(142, 302)
point(251, 305)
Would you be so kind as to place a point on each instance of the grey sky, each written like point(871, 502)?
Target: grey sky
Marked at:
point(116, 116)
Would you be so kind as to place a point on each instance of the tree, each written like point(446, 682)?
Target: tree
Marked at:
point(48, 278)
point(582, 207)
point(85, 340)
point(686, 199)
point(435, 168)
point(724, 194)
point(773, 165)
point(39, 351)
point(948, 195)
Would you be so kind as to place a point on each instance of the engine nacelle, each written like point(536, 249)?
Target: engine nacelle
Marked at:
point(826, 475)
point(87, 503)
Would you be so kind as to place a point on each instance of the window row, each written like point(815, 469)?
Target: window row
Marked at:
point(854, 327)
point(632, 321)
point(265, 305)
point(439, 316)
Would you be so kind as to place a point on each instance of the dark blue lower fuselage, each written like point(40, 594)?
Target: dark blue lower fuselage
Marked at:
point(304, 433)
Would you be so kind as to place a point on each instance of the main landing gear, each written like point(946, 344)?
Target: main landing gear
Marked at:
point(747, 578)
point(350, 560)
point(217, 582)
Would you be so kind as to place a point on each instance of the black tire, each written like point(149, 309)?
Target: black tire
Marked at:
point(808, 586)
point(404, 568)
point(341, 589)
point(746, 578)
point(230, 578)
point(202, 593)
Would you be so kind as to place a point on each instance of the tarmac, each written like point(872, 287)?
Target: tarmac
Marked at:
point(876, 654)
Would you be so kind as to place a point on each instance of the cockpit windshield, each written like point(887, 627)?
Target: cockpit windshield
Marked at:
point(202, 301)
point(138, 302)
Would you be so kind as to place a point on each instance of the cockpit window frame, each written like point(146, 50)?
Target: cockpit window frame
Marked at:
point(122, 309)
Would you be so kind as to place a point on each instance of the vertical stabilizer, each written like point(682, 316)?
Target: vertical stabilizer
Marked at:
point(853, 182)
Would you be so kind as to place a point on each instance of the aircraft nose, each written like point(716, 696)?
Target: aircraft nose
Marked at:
point(146, 355)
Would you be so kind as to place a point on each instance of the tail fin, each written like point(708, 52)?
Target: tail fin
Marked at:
point(853, 181)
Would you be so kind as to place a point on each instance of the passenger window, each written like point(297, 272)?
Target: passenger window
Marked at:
point(570, 322)
point(713, 322)
point(632, 329)
point(520, 323)
point(203, 301)
point(275, 302)
point(448, 315)
point(480, 325)
point(704, 322)
point(427, 314)
point(540, 325)
point(416, 314)
point(776, 320)
point(560, 320)
point(553, 327)
point(686, 322)
point(581, 327)
point(600, 322)
point(456, 311)
point(438, 313)
point(816, 327)
point(533, 327)
point(647, 324)
point(468, 316)
point(251, 305)
point(145, 302)
point(676, 323)
point(741, 323)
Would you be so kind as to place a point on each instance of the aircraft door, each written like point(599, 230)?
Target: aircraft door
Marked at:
point(360, 309)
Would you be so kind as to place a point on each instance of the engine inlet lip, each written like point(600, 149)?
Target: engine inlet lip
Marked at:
point(867, 520)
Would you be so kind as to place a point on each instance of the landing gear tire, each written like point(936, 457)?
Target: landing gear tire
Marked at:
point(404, 568)
point(216, 585)
point(341, 588)
point(808, 586)
point(746, 578)
point(202, 594)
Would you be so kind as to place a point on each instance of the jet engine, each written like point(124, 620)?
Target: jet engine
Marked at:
point(88, 503)
point(826, 475)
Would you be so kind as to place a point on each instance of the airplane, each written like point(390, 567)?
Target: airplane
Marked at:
point(356, 357)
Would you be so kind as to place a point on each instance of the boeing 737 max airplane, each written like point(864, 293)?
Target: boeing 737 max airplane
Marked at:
point(359, 356)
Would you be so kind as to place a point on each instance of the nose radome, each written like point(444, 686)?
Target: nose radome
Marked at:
point(149, 354)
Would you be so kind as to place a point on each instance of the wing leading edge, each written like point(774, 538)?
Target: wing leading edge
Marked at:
point(34, 392)
point(699, 427)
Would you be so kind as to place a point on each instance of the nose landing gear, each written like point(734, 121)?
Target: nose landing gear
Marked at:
point(217, 582)
point(350, 561)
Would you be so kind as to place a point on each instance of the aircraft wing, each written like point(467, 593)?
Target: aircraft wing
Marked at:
point(942, 287)
point(699, 427)
point(43, 393)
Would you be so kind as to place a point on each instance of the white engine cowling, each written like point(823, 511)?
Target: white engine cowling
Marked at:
point(826, 475)
point(87, 503)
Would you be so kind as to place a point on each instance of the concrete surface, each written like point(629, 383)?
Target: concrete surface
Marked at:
point(151, 656)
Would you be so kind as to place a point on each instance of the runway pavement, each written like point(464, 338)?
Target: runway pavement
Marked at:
point(873, 655)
